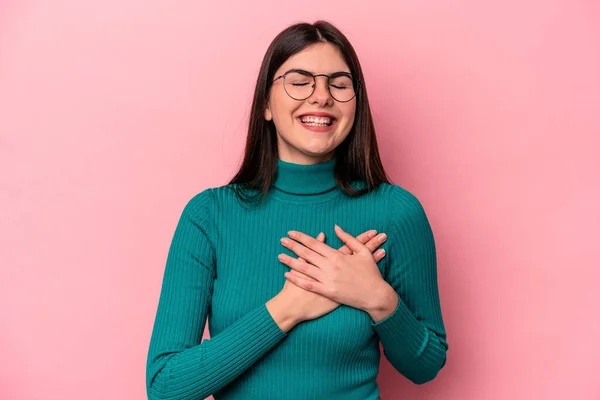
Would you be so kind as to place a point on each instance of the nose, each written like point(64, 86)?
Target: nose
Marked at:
point(321, 94)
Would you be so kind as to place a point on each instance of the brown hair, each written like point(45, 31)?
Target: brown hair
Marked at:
point(357, 157)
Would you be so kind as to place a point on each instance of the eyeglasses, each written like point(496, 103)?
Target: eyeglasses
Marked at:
point(300, 85)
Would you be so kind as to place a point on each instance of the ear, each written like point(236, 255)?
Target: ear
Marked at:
point(268, 115)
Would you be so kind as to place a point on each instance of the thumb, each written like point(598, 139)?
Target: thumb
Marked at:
point(350, 241)
point(320, 238)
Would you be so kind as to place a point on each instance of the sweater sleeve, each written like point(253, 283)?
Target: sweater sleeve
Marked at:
point(413, 337)
point(179, 365)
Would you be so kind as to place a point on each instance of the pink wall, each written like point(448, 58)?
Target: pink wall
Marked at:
point(114, 113)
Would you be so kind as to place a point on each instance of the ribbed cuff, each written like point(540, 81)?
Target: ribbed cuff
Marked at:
point(403, 329)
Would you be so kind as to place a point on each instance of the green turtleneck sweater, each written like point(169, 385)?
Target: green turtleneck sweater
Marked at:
point(222, 264)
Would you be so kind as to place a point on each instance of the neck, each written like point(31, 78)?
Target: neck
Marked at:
point(305, 180)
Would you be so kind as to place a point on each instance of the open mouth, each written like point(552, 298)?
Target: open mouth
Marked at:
point(316, 121)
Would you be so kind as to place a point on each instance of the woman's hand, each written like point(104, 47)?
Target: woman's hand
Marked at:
point(368, 238)
point(346, 277)
point(309, 305)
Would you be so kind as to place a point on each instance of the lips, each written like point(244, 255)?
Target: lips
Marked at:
point(317, 114)
point(318, 128)
point(332, 121)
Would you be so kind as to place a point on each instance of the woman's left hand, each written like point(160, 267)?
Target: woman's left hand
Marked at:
point(346, 279)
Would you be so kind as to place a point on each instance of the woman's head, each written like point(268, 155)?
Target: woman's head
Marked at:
point(275, 127)
point(311, 114)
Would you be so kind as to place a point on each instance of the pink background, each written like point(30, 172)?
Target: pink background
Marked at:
point(113, 114)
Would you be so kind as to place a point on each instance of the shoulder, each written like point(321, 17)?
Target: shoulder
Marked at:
point(404, 207)
point(392, 199)
point(200, 205)
point(201, 199)
point(211, 197)
point(215, 199)
point(399, 197)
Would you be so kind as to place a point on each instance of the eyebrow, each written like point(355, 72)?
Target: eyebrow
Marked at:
point(303, 70)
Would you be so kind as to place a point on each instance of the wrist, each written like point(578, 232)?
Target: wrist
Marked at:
point(383, 302)
point(282, 312)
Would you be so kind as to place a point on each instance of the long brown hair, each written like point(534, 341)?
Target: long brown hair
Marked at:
point(357, 157)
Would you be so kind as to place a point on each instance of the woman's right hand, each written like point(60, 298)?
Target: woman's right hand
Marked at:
point(293, 304)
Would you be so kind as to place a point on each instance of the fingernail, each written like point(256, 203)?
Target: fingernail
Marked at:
point(372, 233)
point(382, 237)
point(337, 227)
point(380, 252)
point(285, 241)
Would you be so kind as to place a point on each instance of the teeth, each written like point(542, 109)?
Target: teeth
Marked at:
point(318, 120)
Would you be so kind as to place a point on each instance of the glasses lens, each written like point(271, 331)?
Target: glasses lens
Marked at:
point(299, 86)
point(341, 87)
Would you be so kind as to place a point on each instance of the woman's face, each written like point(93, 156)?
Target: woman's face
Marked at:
point(296, 141)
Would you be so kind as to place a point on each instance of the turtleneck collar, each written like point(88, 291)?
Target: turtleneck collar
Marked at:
point(304, 180)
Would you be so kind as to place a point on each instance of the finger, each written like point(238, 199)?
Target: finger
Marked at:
point(351, 242)
point(363, 238)
point(320, 238)
point(376, 242)
point(306, 253)
point(301, 275)
point(313, 244)
point(301, 266)
point(378, 255)
point(311, 286)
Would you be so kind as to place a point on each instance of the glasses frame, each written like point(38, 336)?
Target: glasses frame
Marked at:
point(355, 81)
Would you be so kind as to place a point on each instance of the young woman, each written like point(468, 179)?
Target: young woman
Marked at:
point(296, 303)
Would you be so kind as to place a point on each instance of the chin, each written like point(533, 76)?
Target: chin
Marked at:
point(316, 152)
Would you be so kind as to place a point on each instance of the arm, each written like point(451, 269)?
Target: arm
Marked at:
point(413, 335)
point(179, 366)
